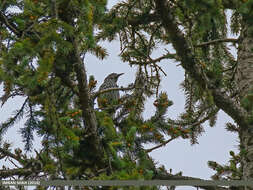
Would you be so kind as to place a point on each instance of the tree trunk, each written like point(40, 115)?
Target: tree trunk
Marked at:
point(244, 80)
point(244, 75)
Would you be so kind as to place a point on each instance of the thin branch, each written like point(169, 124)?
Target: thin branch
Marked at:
point(96, 94)
point(159, 68)
point(7, 153)
point(10, 160)
point(10, 121)
point(11, 26)
point(197, 122)
point(5, 98)
point(28, 29)
point(160, 145)
point(217, 41)
point(14, 29)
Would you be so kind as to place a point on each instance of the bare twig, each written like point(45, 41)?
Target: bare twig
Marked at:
point(166, 56)
point(160, 145)
point(217, 41)
point(29, 29)
point(13, 162)
point(96, 94)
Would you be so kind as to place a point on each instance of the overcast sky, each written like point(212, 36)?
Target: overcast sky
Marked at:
point(179, 155)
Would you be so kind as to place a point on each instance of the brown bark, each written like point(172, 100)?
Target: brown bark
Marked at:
point(88, 113)
point(244, 79)
point(244, 75)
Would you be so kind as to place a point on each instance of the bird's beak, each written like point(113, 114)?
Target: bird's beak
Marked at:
point(120, 74)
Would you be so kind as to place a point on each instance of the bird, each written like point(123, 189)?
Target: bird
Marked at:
point(108, 98)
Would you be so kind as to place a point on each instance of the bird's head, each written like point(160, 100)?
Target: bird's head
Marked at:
point(113, 77)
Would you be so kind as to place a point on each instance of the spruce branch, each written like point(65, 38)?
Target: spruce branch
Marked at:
point(6, 153)
point(197, 123)
point(15, 30)
point(217, 41)
point(15, 172)
point(190, 63)
point(6, 96)
point(28, 29)
point(10, 25)
point(12, 120)
point(30, 166)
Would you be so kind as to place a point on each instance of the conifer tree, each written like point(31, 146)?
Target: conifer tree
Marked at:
point(43, 44)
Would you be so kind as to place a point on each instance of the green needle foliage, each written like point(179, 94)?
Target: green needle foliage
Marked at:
point(42, 48)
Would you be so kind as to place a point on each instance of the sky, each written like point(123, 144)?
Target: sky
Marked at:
point(179, 155)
